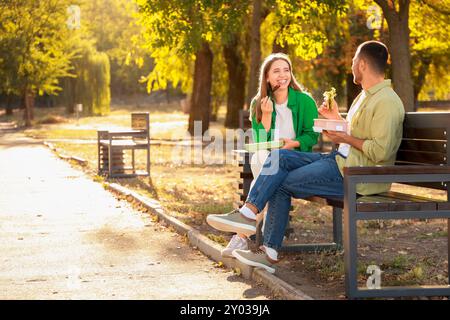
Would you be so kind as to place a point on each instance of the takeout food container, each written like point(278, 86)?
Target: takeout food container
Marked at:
point(331, 125)
point(253, 147)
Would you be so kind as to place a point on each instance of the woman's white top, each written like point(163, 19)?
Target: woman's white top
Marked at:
point(284, 126)
point(344, 148)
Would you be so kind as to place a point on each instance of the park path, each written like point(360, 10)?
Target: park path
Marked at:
point(64, 237)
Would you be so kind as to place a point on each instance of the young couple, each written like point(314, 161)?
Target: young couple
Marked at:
point(375, 130)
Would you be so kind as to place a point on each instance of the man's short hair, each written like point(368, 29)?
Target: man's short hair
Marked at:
point(376, 53)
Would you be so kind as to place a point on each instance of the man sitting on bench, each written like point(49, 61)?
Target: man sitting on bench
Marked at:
point(375, 130)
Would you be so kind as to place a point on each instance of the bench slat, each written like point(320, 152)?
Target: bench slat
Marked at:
point(248, 175)
point(424, 157)
point(392, 203)
point(330, 201)
point(407, 196)
point(424, 145)
point(425, 133)
point(396, 170)
point(389, 201)
point(444, 206)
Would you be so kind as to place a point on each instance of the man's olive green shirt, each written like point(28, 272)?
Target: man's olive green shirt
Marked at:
point(378, 121)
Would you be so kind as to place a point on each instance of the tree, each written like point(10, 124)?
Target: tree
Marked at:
point(397, 17)
point(237, 72)
point(179, 33)
point(232, 21)
point(255, 50)
point(430, 45)
point(344, 32)
point(113, 24)
point(314, 34)
point(91, 84)
point(34, 44)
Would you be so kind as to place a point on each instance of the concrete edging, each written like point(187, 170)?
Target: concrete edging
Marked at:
point(79, 160)
point(211, 248)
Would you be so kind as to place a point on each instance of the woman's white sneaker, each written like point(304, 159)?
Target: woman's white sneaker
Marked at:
point(236, 242)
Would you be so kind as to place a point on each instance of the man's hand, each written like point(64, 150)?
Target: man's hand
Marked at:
point(337, 136)
point(290, 144)
point(342, 137)
point(330, 114)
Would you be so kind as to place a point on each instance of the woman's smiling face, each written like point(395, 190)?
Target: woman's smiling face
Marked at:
point(279, 74)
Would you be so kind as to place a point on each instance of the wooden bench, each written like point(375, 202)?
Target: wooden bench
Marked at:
point(112, 145)
point(423, 160)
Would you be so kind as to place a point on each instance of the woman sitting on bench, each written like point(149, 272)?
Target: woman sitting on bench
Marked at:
point(281, 111)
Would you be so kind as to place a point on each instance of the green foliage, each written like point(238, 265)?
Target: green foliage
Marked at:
point(430, 44)
point(174, 31)
point(34, 46)
point(299, 24)
point(100, 82)
point(113, 25)
point(323, 58)
point(91, 85)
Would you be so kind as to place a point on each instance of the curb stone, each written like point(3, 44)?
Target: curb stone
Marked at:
point(79, 160)
point(211, 248)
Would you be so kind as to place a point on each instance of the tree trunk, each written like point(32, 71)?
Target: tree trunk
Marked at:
point(276, 48)
point(255, 51)
point(28, 114)
point(400, 52)
point(425, 63)
point(352, 90)
point(201, 93)
point(236, 83)
point(9, 107)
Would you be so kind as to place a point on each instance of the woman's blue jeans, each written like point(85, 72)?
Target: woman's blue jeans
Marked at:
point(287, 174)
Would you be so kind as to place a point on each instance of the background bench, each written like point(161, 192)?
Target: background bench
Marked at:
point(423, 160)
point(112, 144)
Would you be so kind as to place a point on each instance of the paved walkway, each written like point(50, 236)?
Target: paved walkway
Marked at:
point(64, 237)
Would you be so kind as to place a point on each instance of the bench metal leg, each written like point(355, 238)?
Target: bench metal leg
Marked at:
point(148, 159)
point(259, 236)
point(311, 247)
point(132, 161)
point(350, 255)
point(350, 241)
point(98, 153)
point(320, 247)
point(110, 162)
point(337, 227)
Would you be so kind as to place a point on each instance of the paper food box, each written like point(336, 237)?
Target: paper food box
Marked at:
point(253, 147)
point(328, 124)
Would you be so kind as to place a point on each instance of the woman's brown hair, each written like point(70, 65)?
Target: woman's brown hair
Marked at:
point(264, 87)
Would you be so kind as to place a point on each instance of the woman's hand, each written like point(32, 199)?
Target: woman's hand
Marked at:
point(290, 144)
point(266, 105)
point(330, 114)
